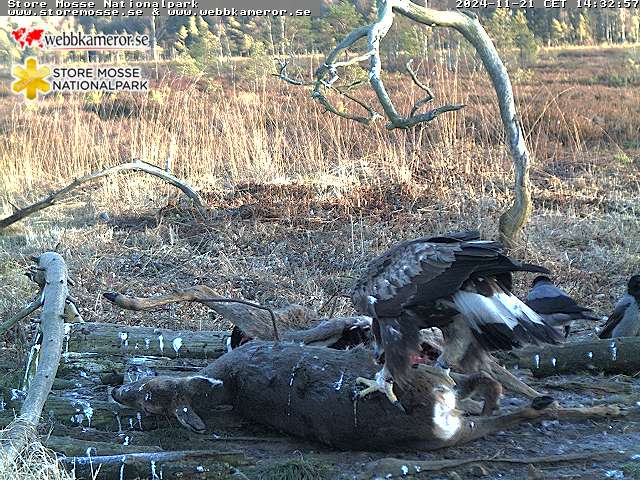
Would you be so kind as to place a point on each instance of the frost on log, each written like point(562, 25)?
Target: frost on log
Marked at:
point(515, 217)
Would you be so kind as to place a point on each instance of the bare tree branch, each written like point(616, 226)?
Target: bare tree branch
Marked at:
point(282, 73)
point(375, 33)
point(514, 219)
point(16, 437)
point(198, 293)
point(395, 464)
point(423, 101)
point(342, 90)
point(136, 165)
point(24, 313)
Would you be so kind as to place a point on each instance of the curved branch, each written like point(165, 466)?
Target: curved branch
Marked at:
point(136, 165)
point(282, 73)
point(25, 312)
point(330, 67)
point(199, 293)
point(514, 219)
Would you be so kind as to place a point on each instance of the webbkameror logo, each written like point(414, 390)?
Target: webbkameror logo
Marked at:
point(37, 37)
point(28, 37)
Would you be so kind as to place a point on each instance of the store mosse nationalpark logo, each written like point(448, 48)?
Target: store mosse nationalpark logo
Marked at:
point(37, 37)
point(32, 79)
point(98, 78)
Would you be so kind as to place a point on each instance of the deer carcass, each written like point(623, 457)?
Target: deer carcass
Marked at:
point(310, 392)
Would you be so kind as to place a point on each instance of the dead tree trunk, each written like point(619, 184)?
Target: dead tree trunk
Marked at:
point(104, 340)
point(156, 465)
point(54, 294)
point(514, 219)
point(613, 355)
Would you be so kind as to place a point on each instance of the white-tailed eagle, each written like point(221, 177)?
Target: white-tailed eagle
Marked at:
point(432, 282)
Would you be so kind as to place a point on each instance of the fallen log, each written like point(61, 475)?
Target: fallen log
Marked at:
point(105, 339)
point(400, 468)
point(156, 465)
point(20, 432)
point(118, 369)
point(85, 413)
point(75, 447)
point(617, 355)
point(136, 165)
point(290, 388)
point(92, 410)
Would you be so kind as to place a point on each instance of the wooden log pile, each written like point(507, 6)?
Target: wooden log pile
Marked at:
point(281, 385)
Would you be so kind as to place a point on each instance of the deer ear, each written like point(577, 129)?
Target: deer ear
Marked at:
point(199, 385)
point(189, 418)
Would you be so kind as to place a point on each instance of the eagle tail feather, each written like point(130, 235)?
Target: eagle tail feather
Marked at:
point(501, 321)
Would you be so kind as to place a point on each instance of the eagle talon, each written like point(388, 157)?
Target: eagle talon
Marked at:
point(379, 384)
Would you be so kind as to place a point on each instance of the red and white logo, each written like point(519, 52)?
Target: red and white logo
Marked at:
point(28, 37)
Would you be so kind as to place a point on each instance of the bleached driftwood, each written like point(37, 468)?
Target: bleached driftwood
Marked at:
point(155, 465)
point(103, 340)
point(136, 165)
point(613, 355)
point(465, 22)
point(395, 467)
point(54, 294)
point(38, 276)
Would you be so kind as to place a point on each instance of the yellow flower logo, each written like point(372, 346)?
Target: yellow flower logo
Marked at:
point(31, 79)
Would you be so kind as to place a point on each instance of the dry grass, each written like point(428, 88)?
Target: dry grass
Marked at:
point(34, 463)
point(302, 199)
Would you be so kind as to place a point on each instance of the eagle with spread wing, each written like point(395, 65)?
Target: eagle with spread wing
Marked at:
point(429, 282)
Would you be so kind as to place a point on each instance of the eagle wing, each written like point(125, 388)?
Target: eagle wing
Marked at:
point(499, 319)
point(392, 280)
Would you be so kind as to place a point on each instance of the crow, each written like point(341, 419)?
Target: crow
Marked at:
point(625, 319)
point(555, 306)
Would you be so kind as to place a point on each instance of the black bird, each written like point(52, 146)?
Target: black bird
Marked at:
point(431, 282)
point(625, 319)
point(555, 306)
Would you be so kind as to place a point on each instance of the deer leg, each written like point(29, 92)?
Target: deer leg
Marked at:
point(483, 385)
point(511, 382)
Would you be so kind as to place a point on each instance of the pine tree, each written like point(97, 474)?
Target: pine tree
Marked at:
point(634, 30)
point(180, 43)
point(341, 18)
point(500, 29)
point(524, 39)
point(8, 51)
point(192, 27)
point(300, 34)
point(583, 30)
point(559, 31)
